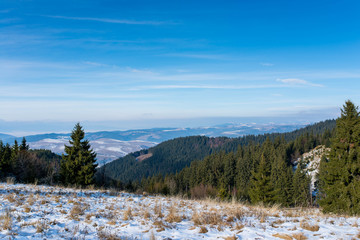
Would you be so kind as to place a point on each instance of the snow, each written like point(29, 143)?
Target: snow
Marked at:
point(44, 212)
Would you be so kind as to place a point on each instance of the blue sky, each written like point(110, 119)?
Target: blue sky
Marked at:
point(153, 62)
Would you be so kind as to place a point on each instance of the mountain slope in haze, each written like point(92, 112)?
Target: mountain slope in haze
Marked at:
point(110, 145)
point(173, 155)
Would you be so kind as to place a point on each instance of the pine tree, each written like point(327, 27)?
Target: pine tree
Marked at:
point(340, 175)
point(78, 164)
point(301, 187)
point(24, 146)
point(261, 189)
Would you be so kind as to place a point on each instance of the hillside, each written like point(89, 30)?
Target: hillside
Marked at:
point(43, 212)
point(110, 145)
point(173, 155)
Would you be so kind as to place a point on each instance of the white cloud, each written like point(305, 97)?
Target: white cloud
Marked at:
point(110, 20)
point(297, 81)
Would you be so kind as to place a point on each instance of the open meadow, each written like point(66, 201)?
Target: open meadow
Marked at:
point(44, 212)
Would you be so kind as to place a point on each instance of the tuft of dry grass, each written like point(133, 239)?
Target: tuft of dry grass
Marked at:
point(307, 226)
point(41, 226)
point(158, 210)
point(203, 229)
point(231, 238)
point(27, 209)
point(299, 236)
point(128, 214)
point(10, 180)
point(6, 220)
point(10, 197)
point(282, 236)
point(196, 218)
point(104, 235)
point(173, 216)
point(76, 211)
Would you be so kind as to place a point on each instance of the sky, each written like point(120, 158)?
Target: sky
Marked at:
point(135, 64)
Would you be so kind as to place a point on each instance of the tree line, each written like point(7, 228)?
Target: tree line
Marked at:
point(76, 167)
point(261, 170)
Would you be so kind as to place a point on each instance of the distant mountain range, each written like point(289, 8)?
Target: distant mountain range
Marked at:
point(110, 145)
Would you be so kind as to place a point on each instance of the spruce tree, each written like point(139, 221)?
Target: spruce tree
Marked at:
point(301, 187)
point(261, 189)
point(24, 146)
point(78, 164)
point(340, 175)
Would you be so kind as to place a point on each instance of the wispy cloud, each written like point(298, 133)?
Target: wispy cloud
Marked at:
point(297, 81)
point(230, 87)
point(110, 20)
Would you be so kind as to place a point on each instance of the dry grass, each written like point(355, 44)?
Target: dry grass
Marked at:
point(231, 238)
point(10, 180)
point(203, 229)
point(282, 236)
point(128, 214)
point(41, 226)
point(299, 236)
point(158, 210)
point(27, 209)
point(76, 211)
point(173, 216)
point(196, 218)
point(307, 226)
point(10, 197)
point(6, 220)
point(104, 235)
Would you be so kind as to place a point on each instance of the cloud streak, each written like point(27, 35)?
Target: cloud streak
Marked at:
point(297, 81)
point(110, 20)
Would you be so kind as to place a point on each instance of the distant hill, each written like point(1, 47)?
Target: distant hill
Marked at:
point(173, 155)
point(110, 145)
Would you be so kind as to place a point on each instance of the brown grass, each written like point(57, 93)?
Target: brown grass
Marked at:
point(173, 216)
point(282, 236)
point(41, 226)
point(203, 229)
point(10, 180)
point(307, 226)
point(103, 235)
point(10, 197)
point(27, 209)
point(6, 220)
point(196, 218)
point(299, 236)
point(231, 238)
point(127, 214)
point(76, 211)
point(158, 210)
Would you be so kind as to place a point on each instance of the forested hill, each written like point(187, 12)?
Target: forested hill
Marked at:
point(173, 155)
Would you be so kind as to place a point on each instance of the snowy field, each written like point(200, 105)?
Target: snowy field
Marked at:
point(42, 212)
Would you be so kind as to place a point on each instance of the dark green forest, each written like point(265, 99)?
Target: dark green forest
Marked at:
point(173, 155)
point(28, 166)
point(258, 171)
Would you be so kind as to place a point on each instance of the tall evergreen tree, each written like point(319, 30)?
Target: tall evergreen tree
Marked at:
point(261, 189)
point(301, 187)
point(340, 174)
point(24, 146)
point(78, 164)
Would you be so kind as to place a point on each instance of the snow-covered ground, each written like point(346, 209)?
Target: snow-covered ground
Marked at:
point(43, 212)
